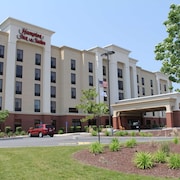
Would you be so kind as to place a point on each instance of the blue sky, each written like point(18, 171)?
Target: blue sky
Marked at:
point(136, 25)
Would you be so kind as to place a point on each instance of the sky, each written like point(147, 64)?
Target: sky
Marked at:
point(136, 25)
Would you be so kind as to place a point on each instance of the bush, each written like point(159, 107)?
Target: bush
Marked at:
point(7, 129)
point(132, 133)
point(114, 145)
point(60, 131)
point(94, 133)
point(176, 140)
point(143, 160)
point(2, 134)
point(160, 157)
point(96, 148)
point(174, 161)
point(23, 133)
point(106, 133)
point(121, 133)
point(165, 148)
point(131, 143)
point(18, 129)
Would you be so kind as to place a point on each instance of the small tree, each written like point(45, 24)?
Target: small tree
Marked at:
point(3, 115)
point(89, 106)
point(168, 51)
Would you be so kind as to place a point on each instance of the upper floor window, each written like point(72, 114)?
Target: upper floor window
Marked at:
point(18, 104)
point(53, 62)
point(73, 93)
point(121, 96)
point(53, 106)
point(36, 105)
point(37, 74)
point(18, 87)
point(19, 71)
point(143, 91)
point(19, 55)
point(165, 89)
point(1, 85)
point(137, 78)
point(120, 73)
point(53, 77)
point(53, 91)
point(1, 51)
point(152, 92)
point(138, 89)
point(142, 81)
point(90, 80)
point(120, 85)
point(1, 68)
point(104, 70)
point(38, 59)
point(37, 90)
point(73, 64)
point(73, 78)
point(90, 67)
point(151, 83)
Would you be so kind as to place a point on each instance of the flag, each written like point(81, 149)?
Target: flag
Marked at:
point(103, 84)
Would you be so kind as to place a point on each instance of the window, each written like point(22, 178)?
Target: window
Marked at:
point(37, 90)
point(143, 91)
point(53, 106)
point(53, 77)
point(120, 85)
point(151, 83)
point(73, 110)
point(73, 93)
point(137, 78)
point(0, 103)
point(18, 104)
point(38, 59)
point(76, 122)
point(1, 85)
point(1, 68)
point(138, 89)
point(19, 71)
point(37, 74)
point(152, 93)
point(165, 87)
point(142, 81)
point(121, 96)
point(90, 80)
point(36, 105)
point(19, 55)
point(73, 64)
point(1, 51)
point(90, 67)
point(104, 71)
point(53, 62)
point(73, 78)
point(53, 91)
point(120, 73)
point(18, 87)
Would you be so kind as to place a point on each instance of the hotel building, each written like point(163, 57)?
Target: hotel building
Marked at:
point(43, 83)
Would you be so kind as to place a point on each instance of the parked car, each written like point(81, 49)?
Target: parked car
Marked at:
point(42, 130)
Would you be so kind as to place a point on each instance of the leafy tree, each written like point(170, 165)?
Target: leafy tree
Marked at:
point(168, 51)
point(3, 115)
point(89, 106)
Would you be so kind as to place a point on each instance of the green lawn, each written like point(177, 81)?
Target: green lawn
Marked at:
point(53, 163)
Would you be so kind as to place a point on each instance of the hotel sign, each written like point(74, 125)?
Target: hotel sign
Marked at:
point(30, 36)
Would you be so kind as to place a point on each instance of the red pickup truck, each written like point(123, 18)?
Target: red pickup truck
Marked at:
point(42, 130)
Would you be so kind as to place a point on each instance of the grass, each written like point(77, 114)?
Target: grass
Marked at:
point(50, 163)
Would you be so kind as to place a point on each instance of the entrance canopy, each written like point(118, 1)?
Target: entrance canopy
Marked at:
point(169, 102)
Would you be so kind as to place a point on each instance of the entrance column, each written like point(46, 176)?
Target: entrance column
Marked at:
point(169, 117)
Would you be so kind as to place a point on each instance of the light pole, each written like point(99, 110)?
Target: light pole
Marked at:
point(109, 103)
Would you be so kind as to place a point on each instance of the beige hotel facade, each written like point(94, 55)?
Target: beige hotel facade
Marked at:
point(43, 83)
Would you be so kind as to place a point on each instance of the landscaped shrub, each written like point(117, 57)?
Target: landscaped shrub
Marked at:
point(143, 160)
point(121, 133)
point(174, 161)
point(23, 133)
point(60, 131)
point(132, 133)
point(160, 156)
point(7, 129)
point(165, 148)
point(94, 133)
point(131, 143)
point(114, 145)
point(176, 140)
point(106, 133)
point(96, 148)
point(2, 134)
point(18, 129)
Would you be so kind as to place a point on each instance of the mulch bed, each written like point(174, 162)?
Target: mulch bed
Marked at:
point(122, 160)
